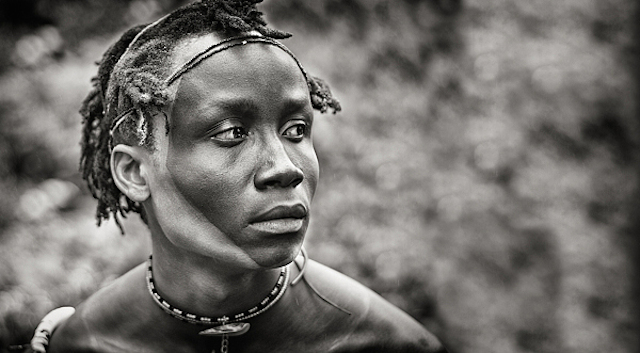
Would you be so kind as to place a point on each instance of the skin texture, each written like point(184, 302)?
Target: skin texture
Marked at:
point(236, 151)
point(238, 146)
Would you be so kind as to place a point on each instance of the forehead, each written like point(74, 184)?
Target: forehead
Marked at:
point(242, 58)
point(242, 73)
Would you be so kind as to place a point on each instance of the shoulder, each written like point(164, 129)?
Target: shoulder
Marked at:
point(72, 336)
point(99, 323)
point(372, 324)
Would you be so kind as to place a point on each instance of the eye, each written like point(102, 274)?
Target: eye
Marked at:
point(295, 131)
point(235, 133)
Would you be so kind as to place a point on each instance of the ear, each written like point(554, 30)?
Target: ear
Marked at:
point(129, 172)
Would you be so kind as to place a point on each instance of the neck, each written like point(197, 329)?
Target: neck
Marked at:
point(202, 286)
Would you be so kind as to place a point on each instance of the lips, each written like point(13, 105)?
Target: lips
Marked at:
point(280, 220)
point(280, 212)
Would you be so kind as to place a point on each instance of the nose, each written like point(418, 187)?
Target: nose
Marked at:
point(276, 169)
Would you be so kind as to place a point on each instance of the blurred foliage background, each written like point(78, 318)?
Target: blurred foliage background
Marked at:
point(483, 175)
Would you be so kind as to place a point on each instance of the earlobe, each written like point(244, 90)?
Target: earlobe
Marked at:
point(128, 172)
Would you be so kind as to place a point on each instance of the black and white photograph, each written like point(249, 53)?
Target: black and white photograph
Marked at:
point(345, 176)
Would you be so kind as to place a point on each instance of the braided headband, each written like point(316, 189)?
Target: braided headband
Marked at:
point(201, 56)
point(230, 43)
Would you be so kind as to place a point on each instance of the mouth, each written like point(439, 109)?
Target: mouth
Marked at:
point(280, 220)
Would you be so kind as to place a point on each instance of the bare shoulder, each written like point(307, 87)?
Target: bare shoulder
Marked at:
point(72, 336)
point(375, 324)
point(99, 323)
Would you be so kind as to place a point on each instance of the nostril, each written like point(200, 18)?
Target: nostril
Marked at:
point(297, 181)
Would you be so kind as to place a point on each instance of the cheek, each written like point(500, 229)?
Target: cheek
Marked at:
point(209, 184)
point(311, 170)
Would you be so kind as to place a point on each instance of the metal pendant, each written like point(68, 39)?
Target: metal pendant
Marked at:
point(232, 329)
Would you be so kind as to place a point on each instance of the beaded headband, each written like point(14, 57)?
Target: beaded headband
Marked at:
point(197, 59)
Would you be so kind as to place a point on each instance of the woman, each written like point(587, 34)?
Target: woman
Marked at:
point(201, 122)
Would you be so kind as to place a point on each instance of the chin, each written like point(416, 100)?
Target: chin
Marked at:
point(277, 255)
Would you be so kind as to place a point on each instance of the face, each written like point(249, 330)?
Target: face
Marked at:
point(234, 177)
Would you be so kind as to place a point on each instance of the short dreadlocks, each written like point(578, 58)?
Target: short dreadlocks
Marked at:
point(131, 78)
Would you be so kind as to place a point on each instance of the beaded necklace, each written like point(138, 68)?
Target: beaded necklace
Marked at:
point(224, 326)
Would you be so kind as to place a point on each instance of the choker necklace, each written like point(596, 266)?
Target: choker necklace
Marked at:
point(226, 325)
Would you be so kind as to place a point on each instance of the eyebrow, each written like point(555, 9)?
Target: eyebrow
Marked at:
point(297, 103)
point(239, 105)
point(246, 105)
